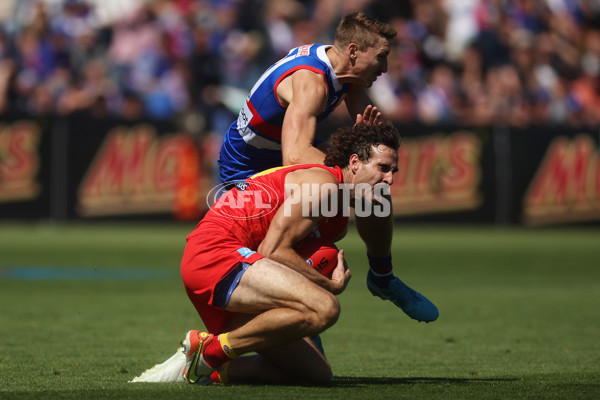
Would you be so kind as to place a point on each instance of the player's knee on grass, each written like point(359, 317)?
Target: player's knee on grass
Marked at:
point(320, 375)
point(315, 367)
point(299, 362)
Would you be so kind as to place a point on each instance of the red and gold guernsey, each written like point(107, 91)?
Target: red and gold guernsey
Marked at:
point(245, 212)
point(228, 237)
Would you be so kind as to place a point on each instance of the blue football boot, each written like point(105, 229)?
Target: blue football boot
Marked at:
point(413, 303)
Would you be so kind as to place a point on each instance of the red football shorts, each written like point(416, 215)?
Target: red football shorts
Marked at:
point(212, 266)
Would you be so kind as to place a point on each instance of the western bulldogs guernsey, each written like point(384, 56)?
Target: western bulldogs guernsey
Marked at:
point(253, 142)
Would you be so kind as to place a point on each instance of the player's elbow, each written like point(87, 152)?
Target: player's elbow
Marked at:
point(299, 154)
point(292, 158)
point(265, 250)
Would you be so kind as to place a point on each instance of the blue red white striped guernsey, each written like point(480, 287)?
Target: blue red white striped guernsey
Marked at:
point(253, 142)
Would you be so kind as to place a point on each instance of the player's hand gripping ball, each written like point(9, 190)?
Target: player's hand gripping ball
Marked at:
point(320, 254)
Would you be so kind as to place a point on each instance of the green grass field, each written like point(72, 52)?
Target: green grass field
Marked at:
point(85, 308)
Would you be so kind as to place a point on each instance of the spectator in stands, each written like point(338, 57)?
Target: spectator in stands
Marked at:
point(482, 62)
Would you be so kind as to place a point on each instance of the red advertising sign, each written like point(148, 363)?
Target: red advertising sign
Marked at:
point(438, 173)
point(134, 171)
point(19, 161)
point(566, 186)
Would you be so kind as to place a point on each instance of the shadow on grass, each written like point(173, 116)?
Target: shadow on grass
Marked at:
point(355, 382)
point(346, 381)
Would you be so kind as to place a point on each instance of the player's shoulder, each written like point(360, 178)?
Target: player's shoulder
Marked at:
point(312, 55)
point(308, 50)
point(313, 174)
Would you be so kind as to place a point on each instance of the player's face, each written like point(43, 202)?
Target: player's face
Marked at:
point(372, 62)
point(380, 168)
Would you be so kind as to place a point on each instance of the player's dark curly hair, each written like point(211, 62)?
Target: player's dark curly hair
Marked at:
point(359, 139)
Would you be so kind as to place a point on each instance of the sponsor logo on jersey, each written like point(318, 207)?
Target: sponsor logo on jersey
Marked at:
point(304, 50)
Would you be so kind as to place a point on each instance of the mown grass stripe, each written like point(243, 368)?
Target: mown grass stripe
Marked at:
point(84, 273)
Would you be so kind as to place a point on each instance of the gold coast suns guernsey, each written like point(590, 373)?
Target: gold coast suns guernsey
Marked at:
point(244, 213)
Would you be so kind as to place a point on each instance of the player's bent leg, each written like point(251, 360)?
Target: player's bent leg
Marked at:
point(288, 307)
point(302, 361)
point(294, 363)
point(282, 310)
point(377, 233)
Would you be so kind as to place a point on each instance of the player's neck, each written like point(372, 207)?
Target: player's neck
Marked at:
point(340, 63)
point(347, 175)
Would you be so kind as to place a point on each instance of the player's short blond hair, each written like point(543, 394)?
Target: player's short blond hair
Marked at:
point(363, 30)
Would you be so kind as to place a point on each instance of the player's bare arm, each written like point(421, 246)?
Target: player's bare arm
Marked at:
point(360, 107)
point(305, 92)
point(291, 224)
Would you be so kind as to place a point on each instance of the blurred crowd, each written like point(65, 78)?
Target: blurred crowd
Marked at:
point(472, 62)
